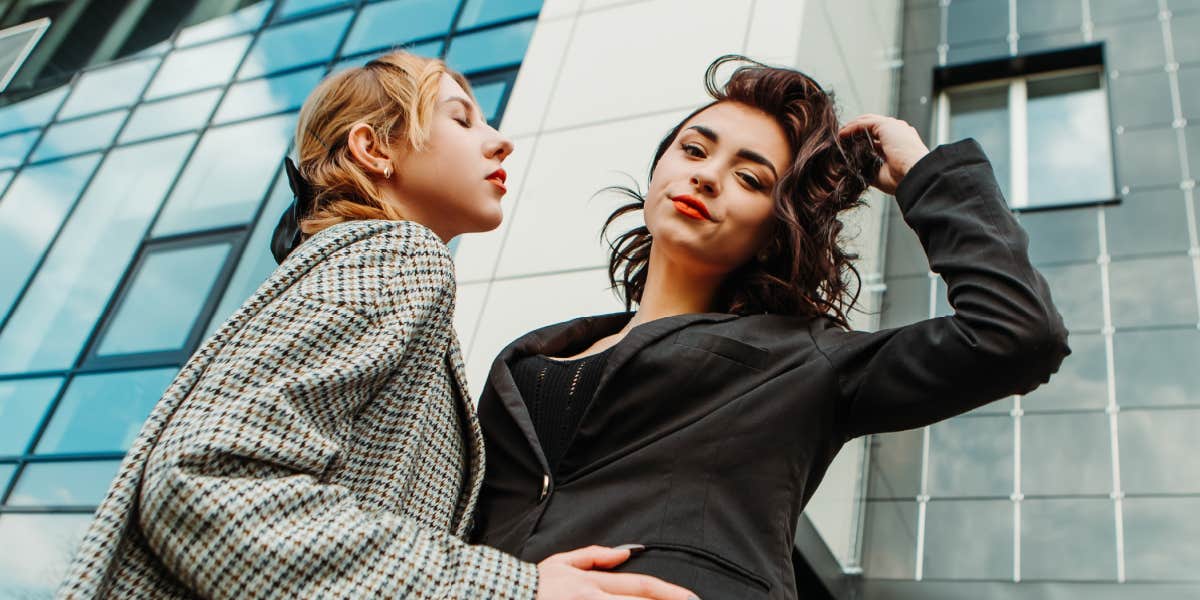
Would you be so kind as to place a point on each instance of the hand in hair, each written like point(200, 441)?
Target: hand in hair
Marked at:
point(572, 575)
point(898, 143)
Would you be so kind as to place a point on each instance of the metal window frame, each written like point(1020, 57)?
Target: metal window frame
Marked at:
point(39, 27)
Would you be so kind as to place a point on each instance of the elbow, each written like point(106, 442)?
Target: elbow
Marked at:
point(1041, 350)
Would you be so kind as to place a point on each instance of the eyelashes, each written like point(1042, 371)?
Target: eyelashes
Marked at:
point(696, 151)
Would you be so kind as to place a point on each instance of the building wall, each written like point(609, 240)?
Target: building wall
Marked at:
point(1092, 478)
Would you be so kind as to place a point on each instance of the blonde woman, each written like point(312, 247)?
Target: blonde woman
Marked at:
point(322, 443)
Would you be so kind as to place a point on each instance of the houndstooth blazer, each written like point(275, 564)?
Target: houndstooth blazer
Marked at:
point(320, 444)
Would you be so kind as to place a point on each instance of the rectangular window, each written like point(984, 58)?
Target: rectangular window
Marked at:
point(1044, 123)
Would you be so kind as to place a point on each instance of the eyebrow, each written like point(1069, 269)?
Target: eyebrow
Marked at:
point(745, 153)
point(467, 104)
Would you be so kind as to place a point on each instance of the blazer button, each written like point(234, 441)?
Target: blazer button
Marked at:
point(545, 488)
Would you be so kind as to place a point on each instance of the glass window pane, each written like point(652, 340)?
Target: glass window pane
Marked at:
point(14, 147)
point(983, 115)
point(488, 96)
point(73, 137)
point(1160, 538)
point(182, 113)
point(31, 213)
point(969, 539)
point(294, 44)
point(1066, 454)
point(257, 263)
point(895, 465)
point(1170, 300)
point(1057, 236)
point(1148, 157)
point(34, 567)
point(246, 19)
point(104, 413)
point(6, 473)
point(1158, 451)
point(76, 483)
point(1156, 368)
point(890, 540)
point(270, 95)
point(220, 187)
point(110, 87)
point(398, 21)
point(292, 8)
point(482, 12)
point(1070, 158)
point(1141, 99)
point(23, 403)
point(972, 21)
point(428, 49)
point(490, 49)
point(5, 177)
point(1081, 381)
point(1071, 539)
point(198, 67)
point(1040, 16)
point(1162, 211)
point(971, 456)
point(1076, 292)
point(57, 314)
point(162, 303)
point(905, 301)
point(32, 112)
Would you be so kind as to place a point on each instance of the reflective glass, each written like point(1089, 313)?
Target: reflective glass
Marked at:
point(1157, 368)
point(905, 301)
point(1077, 295)
point(73, 137)
point(75, 483)
point(181, 113)
point(162, 303)
point(1152, 291)
point(398, 21)
point(1062, 235)
point(6, 472)
point(1189, 91)
point(1104, 11)
point(14, 147)
point(1158, 451)
point(971, 21)
point(890, 540)
point(971, 456)
point(1148, 157)
point(264, 96)
point(482, 12)
point(294, 44)
point(292, 8)
point(428, 49)
point(1068, 539)
point(1140, 99)
point(34, 567)
point(490, 49)
point(1163, 212)
point(1081, 381)
point(969, 539)
point(895, 465)
point(110, 87)
point(1066, 454)
point(488, 96)
point(983, 115)
point(257, 263)
point(1041, 16)
point(31, 212)
point(83, 268)
point(1183, 37)
point(246, 19)
point(220, 187)
point(5, 177)
point(31, 112)
point(1070, 158)
point(202, 66)
point(1160, 538)
point(104, 413)
point(904, 255)
point(23, 403)
point(1133, 45)
point(959, 54)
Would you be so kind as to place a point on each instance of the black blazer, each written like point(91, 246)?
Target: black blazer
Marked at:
point(709, 432)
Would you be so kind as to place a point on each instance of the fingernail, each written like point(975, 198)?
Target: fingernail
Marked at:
point(633, 549)
point(693, 598)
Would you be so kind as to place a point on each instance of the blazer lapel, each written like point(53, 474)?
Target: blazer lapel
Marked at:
point(473, 435)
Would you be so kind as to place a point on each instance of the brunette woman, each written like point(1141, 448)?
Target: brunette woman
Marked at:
point(700, 422)
point(323, 443)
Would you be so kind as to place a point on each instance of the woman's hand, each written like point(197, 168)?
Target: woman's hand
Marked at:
point(571, 575)
point(898, 143)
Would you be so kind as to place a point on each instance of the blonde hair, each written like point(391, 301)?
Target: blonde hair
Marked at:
point(395, 94)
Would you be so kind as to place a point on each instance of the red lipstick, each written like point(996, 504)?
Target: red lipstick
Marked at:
point(497, 178)
point(691, 207)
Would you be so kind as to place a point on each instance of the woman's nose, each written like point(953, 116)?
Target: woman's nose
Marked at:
point(500, 147)
point(705, 182)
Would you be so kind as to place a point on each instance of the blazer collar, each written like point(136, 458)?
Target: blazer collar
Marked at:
point(474, 437)
point(575, 336)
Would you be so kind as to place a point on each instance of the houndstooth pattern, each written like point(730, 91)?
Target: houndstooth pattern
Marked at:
point(320, 444)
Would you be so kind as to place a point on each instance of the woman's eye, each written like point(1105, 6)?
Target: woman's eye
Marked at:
point(463, 121)
point(751, 181)
point(693, 150)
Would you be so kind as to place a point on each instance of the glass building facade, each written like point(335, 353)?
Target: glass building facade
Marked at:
point(138, 198)
point(1088, 486)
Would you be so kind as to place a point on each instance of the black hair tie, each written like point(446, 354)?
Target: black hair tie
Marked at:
point(287, 232)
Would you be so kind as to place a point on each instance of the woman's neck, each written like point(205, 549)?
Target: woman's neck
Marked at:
point(673, 289)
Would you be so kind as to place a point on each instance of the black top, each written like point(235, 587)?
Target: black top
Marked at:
point(557, 392)
point(709, 432)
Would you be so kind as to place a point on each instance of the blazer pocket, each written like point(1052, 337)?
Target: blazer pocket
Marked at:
point(706, 573)
point(737, 351)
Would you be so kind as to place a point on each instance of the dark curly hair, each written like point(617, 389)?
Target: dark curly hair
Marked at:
point(806, 272)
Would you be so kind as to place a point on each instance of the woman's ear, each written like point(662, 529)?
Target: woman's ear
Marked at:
point(372, 155)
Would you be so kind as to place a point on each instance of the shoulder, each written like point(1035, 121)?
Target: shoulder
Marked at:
point(369, 265)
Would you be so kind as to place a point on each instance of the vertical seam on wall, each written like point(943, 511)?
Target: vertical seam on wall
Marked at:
point(1112, 410)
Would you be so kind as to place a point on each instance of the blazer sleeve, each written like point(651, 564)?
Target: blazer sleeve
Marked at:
point(234, 496)
point(1005, 336)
